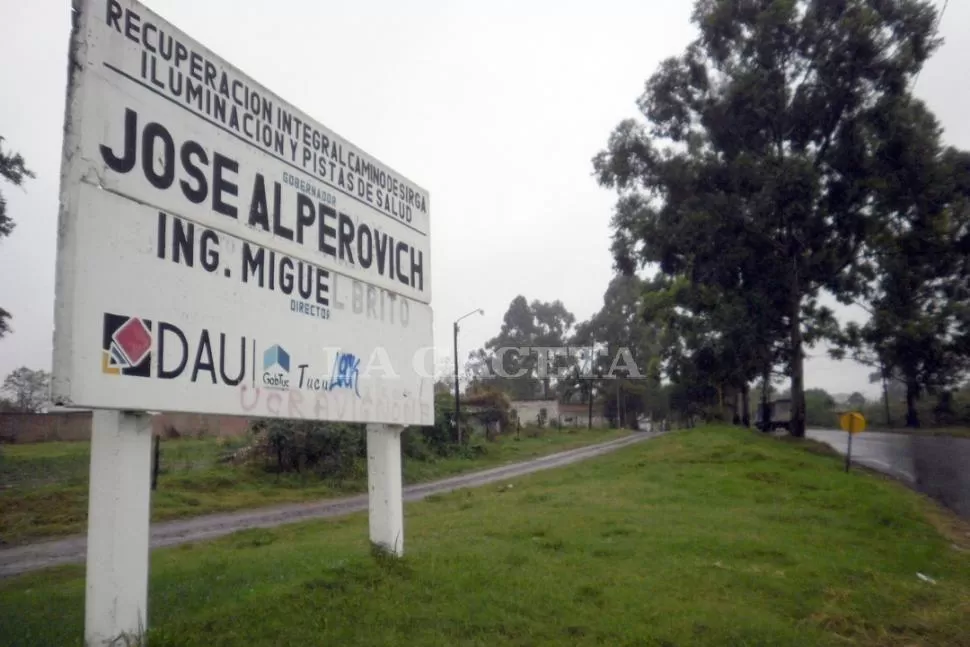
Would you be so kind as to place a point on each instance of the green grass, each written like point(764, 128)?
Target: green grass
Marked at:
point(44, 486)
point(25, 467)
point(701, 537)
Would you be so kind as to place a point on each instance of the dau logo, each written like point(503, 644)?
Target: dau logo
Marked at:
point(276, 368)
point(126, 346)
point(141, 348)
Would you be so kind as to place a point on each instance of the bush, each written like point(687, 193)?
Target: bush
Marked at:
point(339, 450)
point(333, 450)
point(943, 409)
point(493, 408)
point(440, 438)
point(415, 446)
point(474, 449)
point(532, 431)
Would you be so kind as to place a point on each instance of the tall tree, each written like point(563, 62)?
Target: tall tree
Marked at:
point(723, 332)
point(525, 326)
point(918, 300)
point(758, 142)
point(856, 400)
point(621, 323)
point(630, 340)
point(29, 390)
point(820, 408)
point(13, 169)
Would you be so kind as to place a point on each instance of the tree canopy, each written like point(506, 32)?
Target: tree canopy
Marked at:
point(13, 169)
point(918, 299)
point(29, 390)
point(509, 361)
point(755, 169)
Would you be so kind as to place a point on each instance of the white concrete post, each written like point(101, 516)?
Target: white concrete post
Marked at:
point(384, 486)
point(116, 599)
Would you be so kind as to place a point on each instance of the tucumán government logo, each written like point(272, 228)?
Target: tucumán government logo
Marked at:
point(276, 368)
point(126, 346)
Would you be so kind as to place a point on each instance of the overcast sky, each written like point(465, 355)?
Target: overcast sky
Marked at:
point(495, 107)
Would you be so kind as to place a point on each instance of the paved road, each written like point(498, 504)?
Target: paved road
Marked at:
point(22, 559)
point(938, 466)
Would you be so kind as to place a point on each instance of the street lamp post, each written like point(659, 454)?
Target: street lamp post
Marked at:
point(457, 396)
point(589, 389)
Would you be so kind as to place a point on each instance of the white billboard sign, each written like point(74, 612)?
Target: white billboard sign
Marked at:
point(221, 252)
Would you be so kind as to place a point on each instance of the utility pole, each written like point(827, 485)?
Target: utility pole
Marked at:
point(589, 390)
point(885, 393)
point(457, 395)
point(619, 420)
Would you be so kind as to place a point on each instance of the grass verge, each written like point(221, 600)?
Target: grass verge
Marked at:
point(704, 537)
point(44, 486)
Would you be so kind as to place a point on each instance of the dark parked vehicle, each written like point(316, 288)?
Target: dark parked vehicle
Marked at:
point(779, 415)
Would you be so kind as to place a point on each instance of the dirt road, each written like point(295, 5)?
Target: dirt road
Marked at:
point(69, 550)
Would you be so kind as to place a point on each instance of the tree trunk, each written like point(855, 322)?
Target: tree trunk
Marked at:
point(619, 421)
point(912, 416)
point(745, 406)
point(765, 406)
point(797, 424)
point(885, 397)
point(622, 405)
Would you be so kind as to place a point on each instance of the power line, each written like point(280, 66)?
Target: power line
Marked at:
point(936, 30)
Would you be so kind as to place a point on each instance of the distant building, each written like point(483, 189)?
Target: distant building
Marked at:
point(567, 414)
point(577, 414)
point(528, 411)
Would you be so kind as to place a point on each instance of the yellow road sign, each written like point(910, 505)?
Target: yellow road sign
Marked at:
point(852, 422)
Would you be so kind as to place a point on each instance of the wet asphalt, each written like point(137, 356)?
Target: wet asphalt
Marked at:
point(938, 466)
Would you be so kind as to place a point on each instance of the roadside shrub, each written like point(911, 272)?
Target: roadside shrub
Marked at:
point(713, 413)
point(474, 448)
point(332, 450)
point(492, 408)
point(532, 431)
point(415, 446)
point(339, 450)
point(440, 438)
point(943, 409)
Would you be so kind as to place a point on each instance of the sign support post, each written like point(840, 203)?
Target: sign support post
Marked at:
point(169, 185)
point(848, 453)
point(116, 596)
point(385, 490)
point(853, 422)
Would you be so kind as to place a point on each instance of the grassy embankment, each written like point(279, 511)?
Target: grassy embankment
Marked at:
point(703, 537)
point(44, 486)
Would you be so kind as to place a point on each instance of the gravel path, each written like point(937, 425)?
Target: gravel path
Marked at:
point(71, 550)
